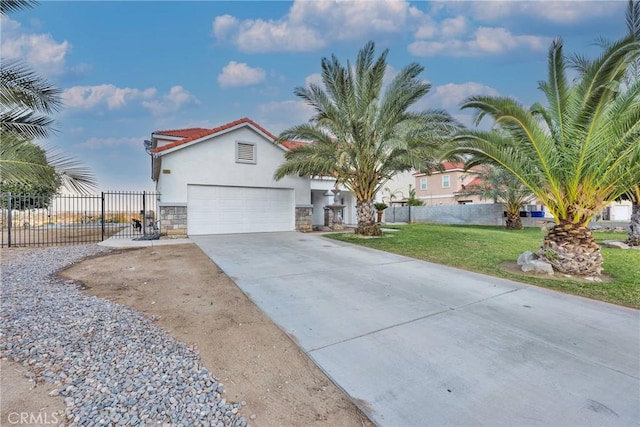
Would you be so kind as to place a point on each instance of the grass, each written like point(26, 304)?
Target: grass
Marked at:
point(485, 249)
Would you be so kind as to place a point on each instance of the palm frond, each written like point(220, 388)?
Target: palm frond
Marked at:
point(23, 87)
point(10, 6)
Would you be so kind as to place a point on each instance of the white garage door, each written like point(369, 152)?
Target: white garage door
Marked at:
point(213, 209)
point(621, 213)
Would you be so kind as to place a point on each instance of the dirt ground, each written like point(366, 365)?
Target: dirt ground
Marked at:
point(199, 305)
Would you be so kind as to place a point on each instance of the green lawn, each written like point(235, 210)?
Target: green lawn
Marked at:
point(484, 249)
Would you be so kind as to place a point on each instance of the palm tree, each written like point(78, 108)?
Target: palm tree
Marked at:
point(362, 135)
point(22, 166)
point(26, 102)
point(633, 75)
point(576, 155)
point(634, 227)
point(499, 185)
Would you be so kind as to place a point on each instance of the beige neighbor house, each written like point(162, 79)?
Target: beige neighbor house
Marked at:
point(446, 187)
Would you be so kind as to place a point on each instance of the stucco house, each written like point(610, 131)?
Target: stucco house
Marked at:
point(446, 186)
point(220, 180)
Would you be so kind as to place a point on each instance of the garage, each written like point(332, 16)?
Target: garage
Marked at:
point(621, 212)
point(214, 209)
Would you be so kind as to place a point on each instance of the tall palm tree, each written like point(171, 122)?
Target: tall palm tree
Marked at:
point(26, 102)
point(499, 185)
point(633, 74)
point(363, 135)
point(576, 154)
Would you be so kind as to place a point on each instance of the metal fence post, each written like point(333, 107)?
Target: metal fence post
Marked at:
point(9, 219)
point(144, 213)
point(102, 221)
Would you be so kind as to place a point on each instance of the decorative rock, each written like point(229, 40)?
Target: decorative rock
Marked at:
point(111, 364)
point(537, 266)
point(526, 257)
point(616, 244)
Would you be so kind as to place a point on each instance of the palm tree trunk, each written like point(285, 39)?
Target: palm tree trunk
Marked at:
point(571, 249)
point(367, 225)
point(513, 221)
point(634, 227)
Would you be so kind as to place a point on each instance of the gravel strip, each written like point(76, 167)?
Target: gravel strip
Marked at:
point(109, 363)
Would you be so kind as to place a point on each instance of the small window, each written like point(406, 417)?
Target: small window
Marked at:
point(423, 183)
point(446, 181)
point(245, 152)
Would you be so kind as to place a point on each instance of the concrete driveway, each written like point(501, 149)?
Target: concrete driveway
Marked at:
point(419, 344)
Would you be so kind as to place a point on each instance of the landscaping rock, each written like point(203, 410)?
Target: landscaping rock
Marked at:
point(116, 365)
point(616, 244)
point(526, 257)
point(537, 266)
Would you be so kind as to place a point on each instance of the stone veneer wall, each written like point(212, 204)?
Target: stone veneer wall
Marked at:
point(304, 218)
point(173, 220)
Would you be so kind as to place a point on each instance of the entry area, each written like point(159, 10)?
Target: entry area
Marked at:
point(214, 209)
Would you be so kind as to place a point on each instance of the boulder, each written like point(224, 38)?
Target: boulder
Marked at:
point(526, 257)
point(537, 266)
point(617, 244)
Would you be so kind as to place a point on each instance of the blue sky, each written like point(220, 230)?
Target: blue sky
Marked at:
point(127, 69)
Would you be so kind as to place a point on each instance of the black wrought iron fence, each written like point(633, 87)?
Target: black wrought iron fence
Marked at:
point(38, 220)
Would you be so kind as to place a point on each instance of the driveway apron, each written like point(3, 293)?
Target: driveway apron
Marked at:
point(419, 344)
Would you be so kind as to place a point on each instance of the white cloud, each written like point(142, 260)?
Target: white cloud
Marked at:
point(559, 12)
point(311, 25)
point(315, 78)
point(485, 41)
point(88, 97)
point(453, 27)
point(171, 102)
point(240, 74)
point(96, 143)
point(451, 94)
point(113, 98)
point(41, 51)
point(224, 25)
point(271, 36)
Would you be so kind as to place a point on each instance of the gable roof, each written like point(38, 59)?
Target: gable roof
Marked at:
point(181, 133)
point(193, 134)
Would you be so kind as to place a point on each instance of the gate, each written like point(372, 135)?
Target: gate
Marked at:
point(39, 220)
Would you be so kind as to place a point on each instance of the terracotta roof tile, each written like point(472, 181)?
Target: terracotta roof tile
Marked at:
point(196, 133)
point(449, 166)
point(182, 133)
point(475, 181)
point(293, 144)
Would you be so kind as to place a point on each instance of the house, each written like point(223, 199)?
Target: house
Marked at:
point(395, 192)
point(447, 186)
point(220, 180)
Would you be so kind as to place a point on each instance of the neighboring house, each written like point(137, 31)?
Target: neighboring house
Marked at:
point(220, 180)
point(446, 187)
point(396, 191)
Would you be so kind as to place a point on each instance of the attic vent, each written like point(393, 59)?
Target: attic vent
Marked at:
point(245, 152)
